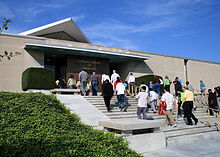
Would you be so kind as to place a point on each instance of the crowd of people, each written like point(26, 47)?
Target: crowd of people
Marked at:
point(148, 95)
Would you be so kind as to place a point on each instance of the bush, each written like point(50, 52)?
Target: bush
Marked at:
point(37, 78)
point(145, 78)
point(39, 125)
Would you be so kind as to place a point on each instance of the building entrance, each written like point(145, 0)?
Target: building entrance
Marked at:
point(57, 64)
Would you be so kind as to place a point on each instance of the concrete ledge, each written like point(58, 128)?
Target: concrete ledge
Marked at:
point(147, 142)
point(60, 91)
point(128, 126)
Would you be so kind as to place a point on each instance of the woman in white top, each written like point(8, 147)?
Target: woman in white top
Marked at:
point(71, 82)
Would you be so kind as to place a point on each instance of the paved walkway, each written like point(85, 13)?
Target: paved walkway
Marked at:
point(206, 148)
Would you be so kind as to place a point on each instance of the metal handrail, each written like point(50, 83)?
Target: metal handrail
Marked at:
point(133, 89)
point(216, 120)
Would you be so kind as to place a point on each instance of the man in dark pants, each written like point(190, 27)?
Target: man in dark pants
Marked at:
point(188, 106)
point(212, 101)
point(107, 91)
point(95, 83)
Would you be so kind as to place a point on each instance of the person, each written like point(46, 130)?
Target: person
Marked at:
point(177, 79)
point(178, 88)
point(218, 95)
point(78, 85)
point(107, 93)
point(126, 88)
point(151, 85)
point(88, 88)
point(107, 90)
point(95, 84)
point(189, 86)
point(83, 77)
point(57, 83)
point(188, 106)
point(202, 87)
point(157, 85)
point(62, 83)
point(167, 83)
point(105, 77)
point(120, 89)
point(71, 83)
point(153, 100)
point(212, 101)
point(143, 84)
point(114, 76)
point(131, 82)
point(142, 103)
point(118, 80)
point(179, 102)
point(169, 100)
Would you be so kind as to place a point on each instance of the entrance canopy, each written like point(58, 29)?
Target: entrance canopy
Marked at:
point(114, 57)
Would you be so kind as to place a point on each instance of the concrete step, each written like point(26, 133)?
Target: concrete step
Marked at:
point(135, 116)
point(194, 130)
point(111, 114)
point(198, 136)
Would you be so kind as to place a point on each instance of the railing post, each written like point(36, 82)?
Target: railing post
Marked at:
point(129, 89)
point(217, 116)
point(202, 113)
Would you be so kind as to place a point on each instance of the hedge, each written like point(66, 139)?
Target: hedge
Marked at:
point(146, 79)
point(38, 78)
point(39, 125)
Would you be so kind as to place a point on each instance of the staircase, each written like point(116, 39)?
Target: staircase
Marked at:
point(182, 133)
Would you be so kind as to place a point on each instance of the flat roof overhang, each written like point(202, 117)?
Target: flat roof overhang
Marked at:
point(115, 57)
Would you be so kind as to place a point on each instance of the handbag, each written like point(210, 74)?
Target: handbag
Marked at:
point(162, 107)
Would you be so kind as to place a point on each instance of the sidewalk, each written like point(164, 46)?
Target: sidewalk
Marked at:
point(206, 148)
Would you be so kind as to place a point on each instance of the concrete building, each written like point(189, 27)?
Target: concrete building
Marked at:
point(63, 47)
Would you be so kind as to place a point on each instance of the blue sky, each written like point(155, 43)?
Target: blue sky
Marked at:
point(184, 28)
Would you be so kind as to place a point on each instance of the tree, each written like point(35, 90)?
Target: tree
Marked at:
point(7, 54)
point(5, 24)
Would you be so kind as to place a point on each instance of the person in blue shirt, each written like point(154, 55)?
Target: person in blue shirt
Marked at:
point(202, 87)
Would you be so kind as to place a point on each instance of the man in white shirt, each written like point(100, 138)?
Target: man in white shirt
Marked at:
point(169, 99)
point(143, 84)
point(114, 76)
point(153, 100)
point(105, 77)
point(120, 89)
point(131, 83)
point(142, 103)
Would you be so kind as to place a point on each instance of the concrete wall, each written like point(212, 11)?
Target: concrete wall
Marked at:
point(156, 65)
point(208, 72)
point(11, 70)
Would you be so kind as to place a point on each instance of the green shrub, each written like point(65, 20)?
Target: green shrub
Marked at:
point(145, 78)
point(39, 125)
point(37, 78)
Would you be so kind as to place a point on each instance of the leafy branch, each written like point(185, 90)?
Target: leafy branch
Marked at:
point(5, 24)
point(7, 54)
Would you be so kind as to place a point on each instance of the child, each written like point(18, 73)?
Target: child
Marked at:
point(142, 103)
point(179, 102)
point(126, 88)
point(153, 100)
point(151, 86)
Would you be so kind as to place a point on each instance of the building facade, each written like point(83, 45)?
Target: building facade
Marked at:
point(62, 47)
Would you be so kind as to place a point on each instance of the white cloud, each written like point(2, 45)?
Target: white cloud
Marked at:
point(184, 34)
point(111, 33)
point(78, 18)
